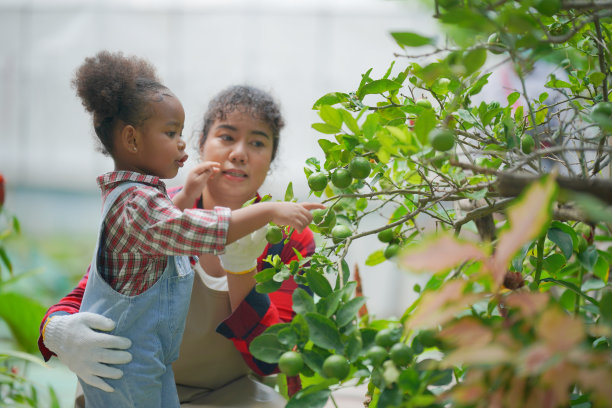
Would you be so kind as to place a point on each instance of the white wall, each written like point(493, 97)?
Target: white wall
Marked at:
point(296, 49)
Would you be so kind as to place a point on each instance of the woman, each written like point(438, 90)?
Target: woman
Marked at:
point(241, 131)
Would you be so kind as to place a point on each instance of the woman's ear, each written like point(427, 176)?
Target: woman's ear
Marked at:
point(129, 139)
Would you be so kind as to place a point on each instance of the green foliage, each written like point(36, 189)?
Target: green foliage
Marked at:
point(521, 316)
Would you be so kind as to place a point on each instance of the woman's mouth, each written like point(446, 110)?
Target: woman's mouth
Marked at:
point(233, 173)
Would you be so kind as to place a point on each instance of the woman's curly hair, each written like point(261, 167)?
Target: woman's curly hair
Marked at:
point(114, 87)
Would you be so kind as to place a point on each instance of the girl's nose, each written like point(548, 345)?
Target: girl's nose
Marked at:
point(181, 144)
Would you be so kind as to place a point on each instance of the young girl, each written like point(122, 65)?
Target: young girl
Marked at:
point(140, 275)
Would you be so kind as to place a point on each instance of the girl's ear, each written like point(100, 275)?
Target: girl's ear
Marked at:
point(128, 139)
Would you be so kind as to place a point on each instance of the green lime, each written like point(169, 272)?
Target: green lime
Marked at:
point(317, 181)
point(386, 235)
point(336, 366)
point(341, 178)
point(424, 103)
point(427, 338)
point(340, 233)
point(548, 7)
point(391, 250)
point(274, 235)
point(324, 219)
point(376, 355)
point(441, 139)
point(401, 354)
point(496, 47)
point(385, 338)
point(527, 143)
point(290, 363)
point(602, 109)
point(359, 167)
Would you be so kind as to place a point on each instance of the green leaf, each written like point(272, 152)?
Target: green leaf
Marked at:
point(407, 39)
point(268, 286)
point(424, 123)
point(267, 348)
point(22, 315)
point(513, 97)
point(265, 275)
point(330, 99)
point(302, 301)
point(375, 258)
point(350, 121)
point(323, 331)
point(325, 128)
point(554, 263)
point(328, 305)
point(588, 257)
point(309, 399)
point(318, 283)
point(563, 241)
point(5, 259)
point(330, 116)
point(573, 288)
point(593, 284)
point(474, 59)
point(377, 87)
point(605, 307)
point(601, 268)
point(289, 192)
point(354, 345)
point(596, 78)
point(348, 311)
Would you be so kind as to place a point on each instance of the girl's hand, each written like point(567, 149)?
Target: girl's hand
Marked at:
point(296, 215)
point(196, 180)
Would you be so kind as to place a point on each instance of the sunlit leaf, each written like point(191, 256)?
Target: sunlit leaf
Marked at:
point(426, 256)
point(23, 316)
point(323, 331)
point(378, 86)
point(526, 218)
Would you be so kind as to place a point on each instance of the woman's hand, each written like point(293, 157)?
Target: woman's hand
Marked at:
point(78, 343)
point(196, 180)
point(296, 215)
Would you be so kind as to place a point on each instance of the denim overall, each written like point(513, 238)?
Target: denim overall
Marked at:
point(154, 320)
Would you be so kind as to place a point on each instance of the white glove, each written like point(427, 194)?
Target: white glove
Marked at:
point(241, 255)
point(86, 351)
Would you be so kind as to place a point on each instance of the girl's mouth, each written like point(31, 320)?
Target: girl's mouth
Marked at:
point(182, 161)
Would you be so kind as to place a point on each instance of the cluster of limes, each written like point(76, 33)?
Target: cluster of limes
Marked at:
point(335, 366)
point(387, 345)
point(325, 220)
point(359, 168)
point(389, 237)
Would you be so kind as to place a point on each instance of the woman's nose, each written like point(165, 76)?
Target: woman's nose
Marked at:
point(238, 154)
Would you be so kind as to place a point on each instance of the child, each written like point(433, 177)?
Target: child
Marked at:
point(140, 275)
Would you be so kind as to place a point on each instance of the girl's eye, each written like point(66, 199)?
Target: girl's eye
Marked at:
point(171, 134)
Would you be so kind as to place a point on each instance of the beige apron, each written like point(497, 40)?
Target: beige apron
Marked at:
point(210, 372)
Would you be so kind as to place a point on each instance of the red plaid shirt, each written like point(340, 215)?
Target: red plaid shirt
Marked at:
point(143, 227)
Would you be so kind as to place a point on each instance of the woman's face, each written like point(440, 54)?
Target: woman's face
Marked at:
point(242, 145)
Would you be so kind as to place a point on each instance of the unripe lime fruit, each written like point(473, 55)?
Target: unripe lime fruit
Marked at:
point(441, 139)
point(401, 354)
point(359, 167)
point(336, 366)
point(384, 338)
point(274, 235)
point(340, 233)
point(391, 250)
point(317, 181)
point(424, 103)
point(376, 355)
point(324, 219)
point(386, 235)
point(341, 178)
point(291, 363)
point(527, 143)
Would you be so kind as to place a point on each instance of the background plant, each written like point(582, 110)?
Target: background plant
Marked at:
point(519, 315)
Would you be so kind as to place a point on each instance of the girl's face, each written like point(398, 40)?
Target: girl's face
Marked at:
point(242, 145)
point(160, 147)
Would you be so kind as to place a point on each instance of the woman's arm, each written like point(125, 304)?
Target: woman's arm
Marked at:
point(259, 311)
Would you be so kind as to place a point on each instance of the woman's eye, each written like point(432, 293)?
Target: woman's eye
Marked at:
point(258, 143)
point(226, 137)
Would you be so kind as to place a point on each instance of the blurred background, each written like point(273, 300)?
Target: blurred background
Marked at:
point(298, 50)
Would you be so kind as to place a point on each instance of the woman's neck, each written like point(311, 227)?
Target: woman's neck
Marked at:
point(209, 202)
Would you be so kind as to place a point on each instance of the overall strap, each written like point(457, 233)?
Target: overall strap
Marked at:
point(113, 195)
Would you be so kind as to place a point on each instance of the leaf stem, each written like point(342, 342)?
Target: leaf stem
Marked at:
point(539, 262)
point(577, 301)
